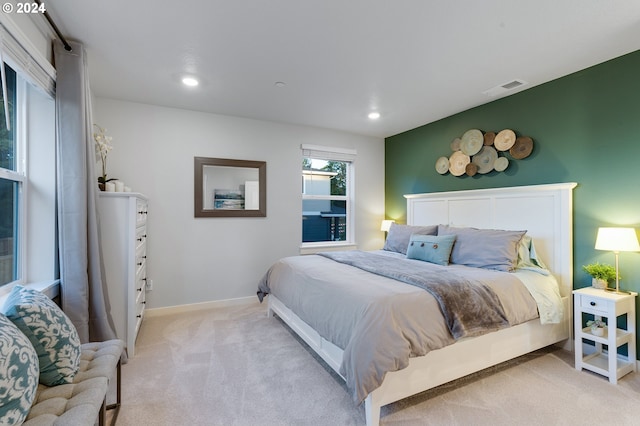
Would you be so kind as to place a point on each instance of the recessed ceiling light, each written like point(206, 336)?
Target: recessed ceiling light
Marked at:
point(374, 115)
point(190, 81)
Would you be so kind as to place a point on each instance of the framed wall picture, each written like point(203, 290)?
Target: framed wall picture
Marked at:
point(229, 188)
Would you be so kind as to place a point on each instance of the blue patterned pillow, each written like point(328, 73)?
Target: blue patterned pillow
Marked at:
point(50, 331)
point(18, 373)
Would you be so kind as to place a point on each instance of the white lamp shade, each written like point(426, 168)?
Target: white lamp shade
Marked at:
point(617, 239)
point(386, 225)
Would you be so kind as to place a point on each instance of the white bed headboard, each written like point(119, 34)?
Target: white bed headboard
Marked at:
point(544, 211)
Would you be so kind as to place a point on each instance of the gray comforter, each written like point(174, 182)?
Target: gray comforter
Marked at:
point(470, 307)
point(379, 322)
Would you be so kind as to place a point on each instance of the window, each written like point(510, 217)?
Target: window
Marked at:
point(11, 182)
point(27, 162)
point(327, 195)
point(27, 184)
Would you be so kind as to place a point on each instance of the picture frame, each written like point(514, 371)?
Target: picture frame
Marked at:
point(229, 188)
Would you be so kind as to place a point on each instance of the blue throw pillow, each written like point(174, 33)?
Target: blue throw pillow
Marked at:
point(431, 248)
point(18, 374)
point(50, 331)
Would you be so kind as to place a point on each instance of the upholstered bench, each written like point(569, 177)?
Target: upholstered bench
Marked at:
point(47, 377)
point(84, 400)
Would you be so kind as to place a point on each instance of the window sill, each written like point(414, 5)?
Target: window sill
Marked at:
point(50, 288)
point(313, 248)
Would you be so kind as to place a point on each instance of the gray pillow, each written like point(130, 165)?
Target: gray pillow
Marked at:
point(484, 248)
point(399, 236)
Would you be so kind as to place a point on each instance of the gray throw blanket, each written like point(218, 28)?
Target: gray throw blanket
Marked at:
point(470, 308)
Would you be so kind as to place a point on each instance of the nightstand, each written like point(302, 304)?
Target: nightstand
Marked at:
point(591, 303)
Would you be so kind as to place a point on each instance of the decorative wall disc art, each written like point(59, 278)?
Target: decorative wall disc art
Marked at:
point(457, 163)
point(471, 169)
point(501, 164)
point(471, 142)
point(521, 148)
point(476, 152)
point(485, 159)
point(442, 165)
point(489, 137)
point(504, 140)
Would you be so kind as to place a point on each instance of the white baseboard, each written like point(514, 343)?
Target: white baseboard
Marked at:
point(157, 312)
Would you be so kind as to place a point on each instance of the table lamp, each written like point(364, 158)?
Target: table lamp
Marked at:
point(617, 240)
point(386, 225)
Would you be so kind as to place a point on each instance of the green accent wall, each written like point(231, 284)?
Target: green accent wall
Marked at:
point(585, 128)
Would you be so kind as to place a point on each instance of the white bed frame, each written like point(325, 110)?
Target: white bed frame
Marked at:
point(545, 212)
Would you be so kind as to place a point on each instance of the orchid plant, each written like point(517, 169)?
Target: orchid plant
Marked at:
point(103, 146)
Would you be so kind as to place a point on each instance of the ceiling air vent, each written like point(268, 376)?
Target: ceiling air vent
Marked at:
point(501, 89)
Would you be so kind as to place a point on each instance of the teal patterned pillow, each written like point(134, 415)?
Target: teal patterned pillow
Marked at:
point(50, 331)
point(18, 373)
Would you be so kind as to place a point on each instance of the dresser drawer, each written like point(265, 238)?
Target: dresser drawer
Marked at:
point(141, 239)
point(141, 212)
point(140, 292)
point(594, 305)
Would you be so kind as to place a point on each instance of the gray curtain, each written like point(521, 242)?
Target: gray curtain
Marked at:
point(83, 287)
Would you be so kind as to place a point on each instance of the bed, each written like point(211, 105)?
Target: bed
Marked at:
point(356, 326)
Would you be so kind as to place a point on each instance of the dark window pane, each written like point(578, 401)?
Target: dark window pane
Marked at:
point(324, 221)
point(7, 139)
point(8, 230)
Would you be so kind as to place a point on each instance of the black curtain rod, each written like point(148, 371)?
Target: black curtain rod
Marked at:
point(53, 25)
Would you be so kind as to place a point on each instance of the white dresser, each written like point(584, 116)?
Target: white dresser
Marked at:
point(123, 228)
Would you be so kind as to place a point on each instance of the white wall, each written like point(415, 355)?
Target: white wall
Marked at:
point(207, 259)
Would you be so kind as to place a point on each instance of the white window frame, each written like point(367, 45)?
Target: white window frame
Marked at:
point(333, 154)
point(35, 129)
point(20, 176)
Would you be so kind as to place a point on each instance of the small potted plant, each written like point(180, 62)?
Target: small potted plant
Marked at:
point(597, 327)
point(601, 274)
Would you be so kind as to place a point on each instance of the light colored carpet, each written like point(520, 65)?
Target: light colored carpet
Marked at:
point(235, 366)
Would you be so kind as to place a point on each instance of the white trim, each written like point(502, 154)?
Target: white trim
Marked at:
point(50, 288)
point(22, 154)
point(215, 304)
point(322, 148)
point(22, 55)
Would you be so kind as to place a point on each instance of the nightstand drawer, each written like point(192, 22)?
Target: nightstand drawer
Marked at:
point(594, 304)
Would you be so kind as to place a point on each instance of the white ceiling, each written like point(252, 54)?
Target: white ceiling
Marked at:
point(414, 61)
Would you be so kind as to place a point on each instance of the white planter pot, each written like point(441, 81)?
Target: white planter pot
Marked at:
point(597, 331)
point(598, 283)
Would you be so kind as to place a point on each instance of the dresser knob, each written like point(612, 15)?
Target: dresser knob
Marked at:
point(138, 316)
point(592, 303)
point(140, 289)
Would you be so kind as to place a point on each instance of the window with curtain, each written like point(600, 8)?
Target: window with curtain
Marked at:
point(327, 196)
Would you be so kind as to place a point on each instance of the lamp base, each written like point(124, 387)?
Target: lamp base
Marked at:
point(613, 290)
